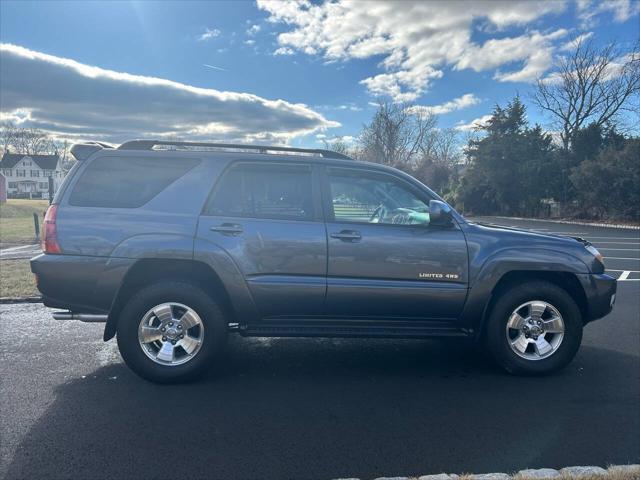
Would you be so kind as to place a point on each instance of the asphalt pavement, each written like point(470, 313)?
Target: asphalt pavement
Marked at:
point(319, 408)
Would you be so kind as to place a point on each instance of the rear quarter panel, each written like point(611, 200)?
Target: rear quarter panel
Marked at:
point(100, 244)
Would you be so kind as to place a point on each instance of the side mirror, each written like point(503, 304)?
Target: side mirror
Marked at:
point(439, 213)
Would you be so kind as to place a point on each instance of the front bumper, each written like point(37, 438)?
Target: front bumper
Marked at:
point(600, 292)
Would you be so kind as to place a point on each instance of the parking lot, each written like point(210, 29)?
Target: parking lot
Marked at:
point(320, 408)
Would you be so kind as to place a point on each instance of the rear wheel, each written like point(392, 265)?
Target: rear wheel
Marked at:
point(170, 332)
point(534, 328)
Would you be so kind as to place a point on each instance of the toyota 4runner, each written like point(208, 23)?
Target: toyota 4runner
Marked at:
point(176, 244)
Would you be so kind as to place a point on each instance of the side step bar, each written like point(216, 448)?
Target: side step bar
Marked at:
point(83, 317)
point(344, 329)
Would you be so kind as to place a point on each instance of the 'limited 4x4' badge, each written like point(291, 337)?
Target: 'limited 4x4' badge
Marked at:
point(438, 276)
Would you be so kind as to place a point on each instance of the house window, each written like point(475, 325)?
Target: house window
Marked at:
point(35, 173)
point(21, 173)
point(13, 184)
point(26, 163)
point(43, 185)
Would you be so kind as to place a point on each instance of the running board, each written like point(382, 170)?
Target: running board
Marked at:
point(356, 329)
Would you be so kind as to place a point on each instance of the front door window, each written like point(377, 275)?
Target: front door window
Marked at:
point(375, 199)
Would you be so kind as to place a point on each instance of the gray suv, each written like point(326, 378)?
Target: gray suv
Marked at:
point(176, 244)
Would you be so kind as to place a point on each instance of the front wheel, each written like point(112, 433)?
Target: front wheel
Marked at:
point(534, 328)
point(169, 332)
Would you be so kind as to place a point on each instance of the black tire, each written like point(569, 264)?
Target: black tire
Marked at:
point(213, 320)
point(498, 342)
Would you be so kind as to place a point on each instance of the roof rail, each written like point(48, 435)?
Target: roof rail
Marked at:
point(149, 144)
point(82, 151)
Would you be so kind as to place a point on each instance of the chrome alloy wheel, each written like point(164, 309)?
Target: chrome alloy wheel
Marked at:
point(171, 334)
point(535, 330)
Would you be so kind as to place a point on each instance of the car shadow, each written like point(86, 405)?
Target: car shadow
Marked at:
point(322, 408)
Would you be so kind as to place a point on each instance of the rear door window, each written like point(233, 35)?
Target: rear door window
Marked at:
point(127, 182)
point(274, 191)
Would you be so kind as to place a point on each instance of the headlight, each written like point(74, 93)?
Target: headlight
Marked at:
point(594, 251)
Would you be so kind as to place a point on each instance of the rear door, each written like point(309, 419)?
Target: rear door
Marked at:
point(385, 259)
point(267, 217)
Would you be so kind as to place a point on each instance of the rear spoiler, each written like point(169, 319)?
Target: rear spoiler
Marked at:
point(82, 151)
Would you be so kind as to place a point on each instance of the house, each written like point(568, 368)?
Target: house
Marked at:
point(27, 176)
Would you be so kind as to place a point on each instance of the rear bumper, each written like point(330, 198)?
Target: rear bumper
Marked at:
point(79, 283)
point(600, 291)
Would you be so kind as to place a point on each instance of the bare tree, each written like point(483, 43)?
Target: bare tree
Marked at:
point(28, 141)
point(32, 141)
point(443, 147)
point(590, 85)
point(8, 133)
point(396, 135)
point(338, 145)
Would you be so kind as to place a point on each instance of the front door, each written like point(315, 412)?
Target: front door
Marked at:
point(267, 218)
point(385, 260)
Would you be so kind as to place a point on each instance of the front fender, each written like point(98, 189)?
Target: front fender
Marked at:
point(484, 276)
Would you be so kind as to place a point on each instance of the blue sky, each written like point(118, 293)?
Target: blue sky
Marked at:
point(279, 71)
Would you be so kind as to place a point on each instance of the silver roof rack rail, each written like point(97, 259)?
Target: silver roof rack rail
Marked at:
point(149, 144)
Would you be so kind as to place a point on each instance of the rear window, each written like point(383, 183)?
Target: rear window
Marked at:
point(127, 182)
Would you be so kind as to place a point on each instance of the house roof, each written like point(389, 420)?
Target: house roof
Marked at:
point(45, 162)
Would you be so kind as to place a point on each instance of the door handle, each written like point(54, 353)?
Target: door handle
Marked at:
point(228, 229)
point(347, 235)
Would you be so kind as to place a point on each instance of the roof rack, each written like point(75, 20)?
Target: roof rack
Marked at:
point(149, 144)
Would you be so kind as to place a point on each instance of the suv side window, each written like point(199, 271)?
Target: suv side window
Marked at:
point(367, 197)
point(127, 182)
point(274, 191)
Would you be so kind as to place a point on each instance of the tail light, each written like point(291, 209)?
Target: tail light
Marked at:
point(49, 233)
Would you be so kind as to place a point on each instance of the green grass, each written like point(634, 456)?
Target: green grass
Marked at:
point(16, 279)
point(16, 220)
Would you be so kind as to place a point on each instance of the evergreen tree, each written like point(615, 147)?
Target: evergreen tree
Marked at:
point(511, 168)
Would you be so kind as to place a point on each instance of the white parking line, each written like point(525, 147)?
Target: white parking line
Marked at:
point(620, 243)
point(624, 275)
point(622, 249)
point(621, 258)
point(617, 238)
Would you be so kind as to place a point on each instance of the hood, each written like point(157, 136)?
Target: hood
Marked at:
point(521, 231)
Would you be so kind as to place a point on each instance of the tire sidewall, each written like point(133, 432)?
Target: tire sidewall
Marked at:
point(194, 297)
point(507, 304)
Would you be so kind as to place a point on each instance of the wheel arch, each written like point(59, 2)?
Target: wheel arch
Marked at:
point(565, 280)
point(154, 270)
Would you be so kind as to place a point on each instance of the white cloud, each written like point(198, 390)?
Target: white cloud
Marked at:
point(570, 46)
point(622, 10)
point(465, 101)
point(209, 34)
point(250, 42)
point(417, 41)
point(66, 97)
point(473, 124)
point(253, 30)
point(284, 51)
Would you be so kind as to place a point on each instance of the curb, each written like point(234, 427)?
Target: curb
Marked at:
point(9, 300)
point(628, 472)
point(620, 226)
